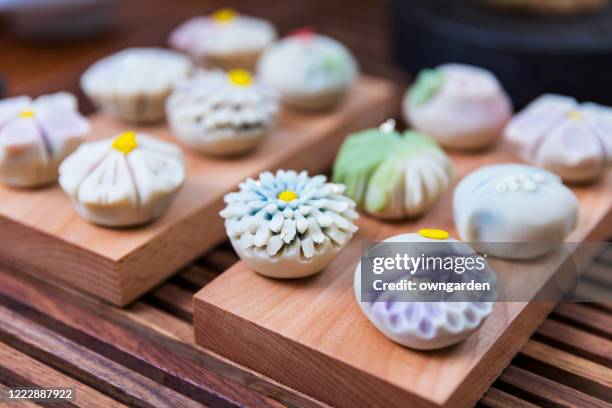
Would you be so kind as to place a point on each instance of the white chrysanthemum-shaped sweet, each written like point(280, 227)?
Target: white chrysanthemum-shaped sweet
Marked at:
point(392, 175)
point(123, 181)
point(225, 40)
point(221, 114)
point(289, 225)
point(133, 84)
point(36, 135)
point(571, 139)
point(308, 70)
point(461, 106)
point(410, 320)
point(513, 210)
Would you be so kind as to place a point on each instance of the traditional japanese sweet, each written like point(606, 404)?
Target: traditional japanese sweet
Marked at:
point(222, 114)
point(571, 139)
point(124, 181)
point(461, 106)
point(421, 319)
point(514, 211)
point(392, 175)
point(133, 84)
point(309, 70)
point(36, 135)
point(289, 225)
point(225, 40)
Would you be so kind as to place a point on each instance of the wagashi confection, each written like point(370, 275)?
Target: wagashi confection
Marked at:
point(36, 135)
point(571, 139)
point(461, 106)
point(222, 114)
point(124, 181)
point(133, 84)
point(288, 224)
point(308, 70)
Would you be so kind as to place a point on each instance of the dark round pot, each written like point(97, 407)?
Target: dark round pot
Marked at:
point(530, 55)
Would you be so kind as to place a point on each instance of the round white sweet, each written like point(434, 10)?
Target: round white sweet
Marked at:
point(501, 204)
point(289, 225)
point(570, 139)
point(215, 113)
point(461, 106)
point(424, 325)
point(225, 40)
point(36, 135)
point(133, 84)
point(309, 71)
point(123, 181)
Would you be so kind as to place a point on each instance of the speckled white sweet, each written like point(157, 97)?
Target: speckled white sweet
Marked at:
point(133, 84)
point(36, 135)
point(461, 106)
point(514, 203)
point(571, 139)
point(392, 175)
point(221, 114)
point(310, 71)
point(289, 225)
point(424, 325)
point(225, 39)
point(124, 181)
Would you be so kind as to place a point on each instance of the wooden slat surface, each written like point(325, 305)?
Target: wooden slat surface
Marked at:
point(120, 355)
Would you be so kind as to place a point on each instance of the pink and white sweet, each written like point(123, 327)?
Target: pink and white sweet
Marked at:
point(461, 106)
point(36, 135)
point(225, 39)
point(568, 138)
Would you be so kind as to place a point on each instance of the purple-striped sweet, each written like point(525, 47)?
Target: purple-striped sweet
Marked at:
point(36, 135)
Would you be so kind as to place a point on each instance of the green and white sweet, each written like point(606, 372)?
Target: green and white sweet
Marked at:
point(570, 139)
point(422, 324)
point(308, 70)
point(514, 211)
point(289, 225)
point(461, 106)
point(392, 175)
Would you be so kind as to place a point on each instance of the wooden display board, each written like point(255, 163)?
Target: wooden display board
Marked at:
point(43, 235)
point(311, 335)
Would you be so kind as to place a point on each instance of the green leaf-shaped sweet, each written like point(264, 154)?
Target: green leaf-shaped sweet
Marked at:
point(427, 83)
point(376, 168)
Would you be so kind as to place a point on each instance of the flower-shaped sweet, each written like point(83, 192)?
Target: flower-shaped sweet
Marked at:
point(310, 71)
point(225, 40)
point(36, 135)
point(133, 84)
point(392, 175)
point(123, 181)
point(421, 319)
point(570, 139)
point(221, 114)
point(289, 225)
point(514, 211)
point(461, 106)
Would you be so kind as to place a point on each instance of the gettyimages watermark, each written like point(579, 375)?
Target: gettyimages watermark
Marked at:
point(455, 272)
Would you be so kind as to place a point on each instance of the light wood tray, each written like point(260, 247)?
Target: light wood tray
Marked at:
point(311, 335)
point(43, 235)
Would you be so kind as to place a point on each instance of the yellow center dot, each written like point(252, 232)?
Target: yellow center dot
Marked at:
point(433, 233)
point(576, 115)
point(125, 142)
point(223, 16)
point(26, 114)
point(287, 195)
point(240, 77)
